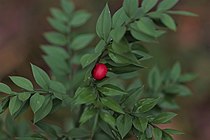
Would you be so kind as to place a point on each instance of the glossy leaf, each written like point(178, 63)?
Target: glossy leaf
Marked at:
point(140, 124)
point(111, 90)
point(124, 124)
point(108, 118)
point(87, 115)
point(112, 104)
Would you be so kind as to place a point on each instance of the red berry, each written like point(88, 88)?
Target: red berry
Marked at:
point(99, 72)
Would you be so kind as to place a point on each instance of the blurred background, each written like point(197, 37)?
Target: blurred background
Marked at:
point(23, 23)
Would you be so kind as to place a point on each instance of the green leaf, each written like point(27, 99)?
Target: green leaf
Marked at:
point(183, 13)
point(44, 110)
point(164, 117)
point(112, 104)
point(79, 18)
point(59, 15)
point(166, 5)
point(154, 79)
point(50, 129)
point(187, 77)
point(130, 7)
point(58, 89)
point(124, 124)
point(100, 46)
point(24, 96)
point(5, 88)
point(22, 82)
point(147, 104)
point(105, 128)
point(123, 58)
point(56, 38)
point(79, 133)
point(108, 118)
point(140, 124)
point(177, 89)
point(157, 133)
point(111, 90)
point(4, 104)
point(67, 6)
point(173, 132)
point(40, 76)
point(118, 33)
point(56, 52)
point(175, 72)
point(87, 115)
point(82, 41)
point(147, 5)
point(36, 102)
point(168, 21)
point(84, 95)
point(14, 105)
point(149, 132)
point(104, 24)
point(167, 137)
point(146, 26)
point(58, 25)
point(121, 47)
point(133, 97)
point(58, 66)
point(125, 69)
point(87, 59)
point(119, 18)
point(141, 36)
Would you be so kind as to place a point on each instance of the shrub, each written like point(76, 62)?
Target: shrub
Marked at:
point(99, 86)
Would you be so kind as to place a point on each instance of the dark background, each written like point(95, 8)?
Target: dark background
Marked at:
point(22, 23)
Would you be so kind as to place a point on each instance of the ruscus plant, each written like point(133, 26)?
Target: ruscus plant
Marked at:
point(101, 86)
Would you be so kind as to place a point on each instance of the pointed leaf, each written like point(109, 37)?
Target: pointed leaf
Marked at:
point(104, 24)
point(79, 18)
point(166, 5)
point(81, 41)
point(124, 124)
point(40, 76)
point(164, 117)
point(14, 105)
point(36, 102)
point(22, 82)
point(5, 88)
point(112, 104)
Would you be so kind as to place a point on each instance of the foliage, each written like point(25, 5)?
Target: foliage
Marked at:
point(117, 107)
